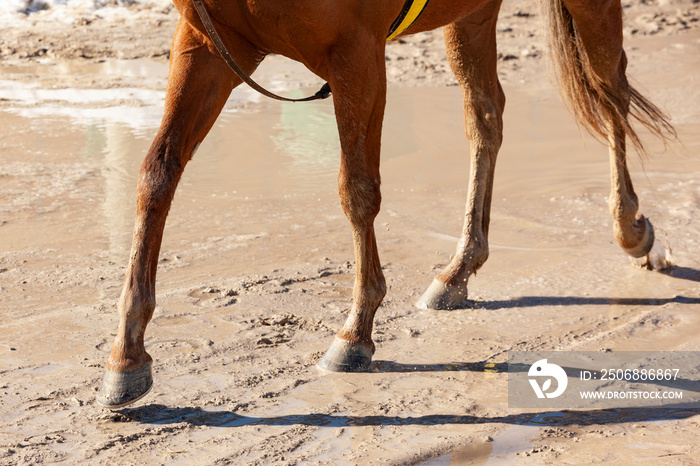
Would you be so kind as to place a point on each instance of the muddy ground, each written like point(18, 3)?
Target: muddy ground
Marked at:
point(256, 269)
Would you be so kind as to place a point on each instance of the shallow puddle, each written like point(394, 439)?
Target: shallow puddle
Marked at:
point(290, 152)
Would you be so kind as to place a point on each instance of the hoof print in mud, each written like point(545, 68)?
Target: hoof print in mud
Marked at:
point(120, 389)
point(343, 356)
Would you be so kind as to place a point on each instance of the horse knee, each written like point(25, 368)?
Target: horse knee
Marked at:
point(160, 172)
point(360, 197)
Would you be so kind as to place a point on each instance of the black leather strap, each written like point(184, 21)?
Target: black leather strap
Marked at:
point(323, 93)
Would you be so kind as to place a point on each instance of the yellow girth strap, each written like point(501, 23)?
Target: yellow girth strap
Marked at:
point(410, 13)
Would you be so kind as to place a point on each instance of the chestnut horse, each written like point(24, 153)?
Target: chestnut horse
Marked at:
point(343, 42)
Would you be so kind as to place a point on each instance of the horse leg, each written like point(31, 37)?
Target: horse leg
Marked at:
point(358, 81)
point(602, 100)
point(199, 83)
point(471, 50)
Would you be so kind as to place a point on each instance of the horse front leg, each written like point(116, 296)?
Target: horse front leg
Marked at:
point(471, 50)
point(198, 85)
point(359, 96)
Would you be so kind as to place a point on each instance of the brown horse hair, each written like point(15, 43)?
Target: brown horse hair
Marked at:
point(592, 101)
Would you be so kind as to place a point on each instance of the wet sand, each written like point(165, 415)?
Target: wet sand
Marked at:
point(256, 273)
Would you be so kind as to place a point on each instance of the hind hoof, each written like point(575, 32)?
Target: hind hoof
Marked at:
point(120, 389)
point(659, 258)
point(344, 356)
point(645, 244)
point(442, 297)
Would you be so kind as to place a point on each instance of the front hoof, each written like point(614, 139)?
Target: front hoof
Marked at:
point(120, 389)
point(344, 356)
point(442, 297)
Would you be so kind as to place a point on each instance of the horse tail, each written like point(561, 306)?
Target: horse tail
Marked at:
point(592, 101)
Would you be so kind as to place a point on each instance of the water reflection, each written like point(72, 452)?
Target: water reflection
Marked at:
point(120, 172)
point(308, 135)
point(266, 153)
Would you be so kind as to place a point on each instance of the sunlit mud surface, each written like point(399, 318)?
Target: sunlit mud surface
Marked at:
point(256, 275)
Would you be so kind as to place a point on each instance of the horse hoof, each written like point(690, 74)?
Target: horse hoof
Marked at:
point(120, 389)
point(442, 297)
point(659, 258)
point(344, 356)
point(646, 243)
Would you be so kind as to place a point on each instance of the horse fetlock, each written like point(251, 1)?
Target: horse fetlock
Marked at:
point(473, 261)
point(372, 296)
point(469, 258)
point(127, 356)
point(345, 356)
point(623, 205)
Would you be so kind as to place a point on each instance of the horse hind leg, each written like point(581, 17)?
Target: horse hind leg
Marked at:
point(471, 50)
point(198, 85)
point(586, 43)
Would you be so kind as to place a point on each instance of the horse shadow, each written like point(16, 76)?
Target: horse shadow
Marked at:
point(157, 414)
point(678, 272)
point(683, 273)
point(533, 301)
